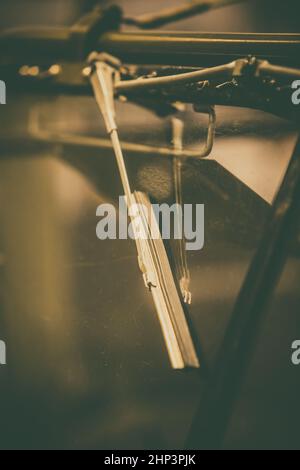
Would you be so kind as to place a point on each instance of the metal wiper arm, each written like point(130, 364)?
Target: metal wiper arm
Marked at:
point(249, 66)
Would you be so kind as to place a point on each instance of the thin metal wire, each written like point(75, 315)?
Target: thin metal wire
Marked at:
point(44, 135)
point(224, 70)
point(181, 258)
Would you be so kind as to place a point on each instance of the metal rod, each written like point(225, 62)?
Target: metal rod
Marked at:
point(219, 397)
point(36, 132)
point(199, 49)
point(37, 45)
point(278, 71)
point(121, 163)
point(180, 79)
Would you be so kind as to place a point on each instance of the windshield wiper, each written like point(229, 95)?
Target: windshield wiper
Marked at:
point(152, 256)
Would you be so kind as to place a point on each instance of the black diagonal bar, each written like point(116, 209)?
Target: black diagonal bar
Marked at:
point(186, 10)
point(218, 400)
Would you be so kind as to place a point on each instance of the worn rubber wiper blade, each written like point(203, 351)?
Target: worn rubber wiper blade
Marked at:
point(159, 279)
point(152, 256)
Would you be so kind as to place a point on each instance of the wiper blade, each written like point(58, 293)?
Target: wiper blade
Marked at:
point(159, 279)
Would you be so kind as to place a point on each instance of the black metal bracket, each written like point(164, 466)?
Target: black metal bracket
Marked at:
point(52, 45)
point(247, 82)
